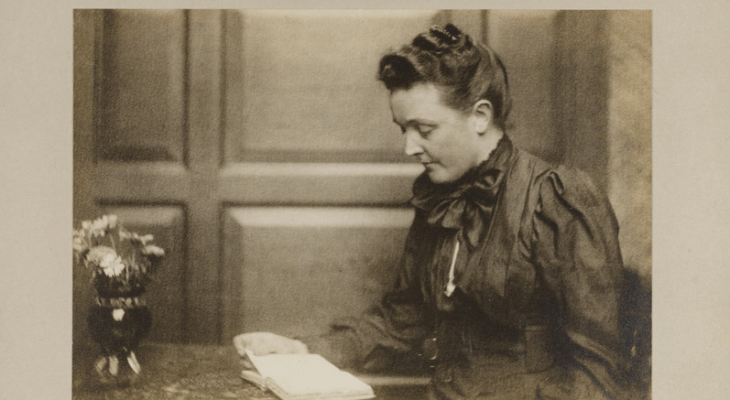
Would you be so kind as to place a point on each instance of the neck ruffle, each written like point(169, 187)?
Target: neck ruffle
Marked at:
point(467, 203)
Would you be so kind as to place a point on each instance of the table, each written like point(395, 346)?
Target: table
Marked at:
point(181, 372)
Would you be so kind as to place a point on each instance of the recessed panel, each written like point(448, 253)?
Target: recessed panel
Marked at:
point(141, 92)
point(307, 91)
point(296, 269)
point(525, 41)
point(164, 294)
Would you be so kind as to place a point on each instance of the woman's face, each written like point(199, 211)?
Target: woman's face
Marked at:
point(443, 139)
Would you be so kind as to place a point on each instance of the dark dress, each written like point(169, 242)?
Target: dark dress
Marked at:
point(536, 281)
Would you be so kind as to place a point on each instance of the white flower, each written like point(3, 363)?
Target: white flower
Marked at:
point(97, 254)
point(79, 233)
point(124, 234)
point(152, 250)
point(112, 265)
point(135, 238)
point(118, 314)
point(100, 226)
point(112, 221)
point(79, 244)
point(95, 243)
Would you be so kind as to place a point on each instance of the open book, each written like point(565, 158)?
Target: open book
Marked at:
point(304, 377)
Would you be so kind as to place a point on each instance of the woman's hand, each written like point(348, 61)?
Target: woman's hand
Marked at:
point(262, 343)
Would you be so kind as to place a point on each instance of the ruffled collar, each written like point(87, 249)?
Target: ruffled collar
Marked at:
point(467, 203)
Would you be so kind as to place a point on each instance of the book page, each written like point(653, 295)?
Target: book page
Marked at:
point(299, 374)
point(254, 377)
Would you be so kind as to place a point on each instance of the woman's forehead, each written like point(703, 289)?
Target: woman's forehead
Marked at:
point(420, 100)
point(420, 89)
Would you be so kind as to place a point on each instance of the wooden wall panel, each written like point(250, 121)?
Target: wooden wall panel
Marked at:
point(525, 41)
point(318, 183)
point(204, 124)
point(142, 86)
point(249, 116)
point(305, 89)
point(581, 91)
point(472, 22)
point(294, 269)
point(165, 295)
point(603, 87)
point(86, 24)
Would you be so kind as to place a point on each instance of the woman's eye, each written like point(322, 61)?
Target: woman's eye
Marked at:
point(425, 129)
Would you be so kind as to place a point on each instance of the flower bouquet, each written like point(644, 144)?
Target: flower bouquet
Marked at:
point(120, 263)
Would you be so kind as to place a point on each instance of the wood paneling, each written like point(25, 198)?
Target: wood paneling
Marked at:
point(293, 269)
point(603, 90)
point(86, 25)
point(157, 108)
point(169, 84)
point(204, 126)
point(259, 146)
point(142, 90)
point(307, 87)
point(581, 91)
point(525, 41)
point(149, 182)
point(318, 183)
point(472, 22)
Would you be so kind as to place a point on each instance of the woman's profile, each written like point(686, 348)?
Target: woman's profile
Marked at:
point(510, 280)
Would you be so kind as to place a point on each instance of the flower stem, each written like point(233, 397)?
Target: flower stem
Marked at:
point(114, 245)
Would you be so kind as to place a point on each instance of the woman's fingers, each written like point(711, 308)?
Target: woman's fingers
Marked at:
point(241, 343)
point(246, 364)
point(262, 343)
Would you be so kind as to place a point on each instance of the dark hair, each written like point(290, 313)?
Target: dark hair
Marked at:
point(465, 71)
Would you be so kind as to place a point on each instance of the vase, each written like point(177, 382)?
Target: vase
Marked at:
point(118, 324)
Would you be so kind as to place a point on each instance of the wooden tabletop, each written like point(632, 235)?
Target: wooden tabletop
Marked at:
point(181, 372)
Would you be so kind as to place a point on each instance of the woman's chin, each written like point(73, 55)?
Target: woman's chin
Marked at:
point(439, 177)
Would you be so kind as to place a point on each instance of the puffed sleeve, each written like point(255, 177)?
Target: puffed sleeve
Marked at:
point(394, 326)
point(575, 244)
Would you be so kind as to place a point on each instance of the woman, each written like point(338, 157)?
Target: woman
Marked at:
point(509, 285)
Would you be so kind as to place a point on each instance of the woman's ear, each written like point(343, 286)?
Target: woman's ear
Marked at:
point(482, 113)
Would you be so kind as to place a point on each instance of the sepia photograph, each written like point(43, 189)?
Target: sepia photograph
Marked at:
point(401, 204)
point(375, 199)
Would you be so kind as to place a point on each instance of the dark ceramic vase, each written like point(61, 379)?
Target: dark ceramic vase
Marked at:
point(118, 325)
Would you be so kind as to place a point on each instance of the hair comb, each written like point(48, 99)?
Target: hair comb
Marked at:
point(445, 34)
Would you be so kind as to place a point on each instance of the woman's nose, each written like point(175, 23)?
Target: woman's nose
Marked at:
point(412, 148)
